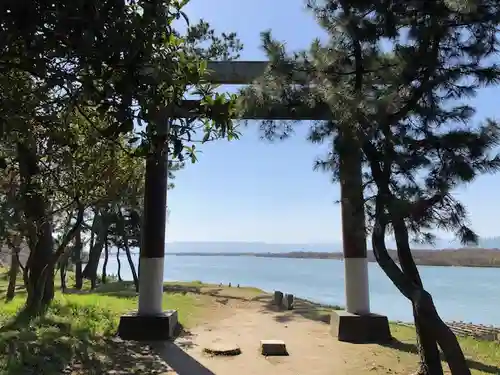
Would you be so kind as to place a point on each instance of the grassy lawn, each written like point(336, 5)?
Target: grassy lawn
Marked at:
point(483, 356)
point(79, 329)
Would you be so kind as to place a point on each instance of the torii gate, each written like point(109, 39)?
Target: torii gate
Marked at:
point(355, 324)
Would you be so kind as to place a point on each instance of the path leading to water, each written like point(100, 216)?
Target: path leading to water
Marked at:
point(245, 322)
point(311, 347)
point(235, 317)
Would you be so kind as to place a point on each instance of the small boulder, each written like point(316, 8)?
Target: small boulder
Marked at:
point(278, 298)
point(288, 301)
point(273, 348)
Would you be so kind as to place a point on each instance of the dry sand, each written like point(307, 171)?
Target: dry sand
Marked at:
point(312, 348)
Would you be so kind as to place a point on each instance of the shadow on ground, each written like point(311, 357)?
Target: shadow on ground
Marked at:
point(304, 308)
point(19, 291)
point(50, 347)
point(412, 348)
point(301, 307)
point(126, 289)
point(181, 362)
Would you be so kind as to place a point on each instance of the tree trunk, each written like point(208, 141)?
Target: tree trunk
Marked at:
point(77, 259)
point(430, 359)
point(90, 270)
point(40, 274)
point(122, 229)
point(425, 310)
point(131, 263)
point(106, 258)
point(119, 262)
point(62, 272)
point(13, 272)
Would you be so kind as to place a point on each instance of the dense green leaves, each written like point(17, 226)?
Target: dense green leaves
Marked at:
point(86, 89)
point(399, 74)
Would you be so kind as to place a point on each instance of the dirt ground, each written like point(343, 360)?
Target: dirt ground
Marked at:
point(311, 347)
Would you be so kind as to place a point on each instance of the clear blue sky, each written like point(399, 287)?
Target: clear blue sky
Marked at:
point(250, 190)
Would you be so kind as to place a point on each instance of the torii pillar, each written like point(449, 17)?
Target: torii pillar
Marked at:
point(356, 323)
point(151, 322)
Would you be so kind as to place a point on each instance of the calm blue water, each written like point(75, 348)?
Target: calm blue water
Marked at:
point(460, 293)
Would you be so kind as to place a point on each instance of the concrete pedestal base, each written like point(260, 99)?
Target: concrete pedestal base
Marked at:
point(148, 327)
point(359, 329)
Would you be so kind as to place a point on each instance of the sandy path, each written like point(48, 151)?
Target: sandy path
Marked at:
point(312, 349)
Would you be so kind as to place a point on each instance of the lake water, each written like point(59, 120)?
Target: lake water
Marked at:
point(460, 293)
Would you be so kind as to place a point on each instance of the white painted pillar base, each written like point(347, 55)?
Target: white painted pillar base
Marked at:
point(356, 286)
point(151, 286)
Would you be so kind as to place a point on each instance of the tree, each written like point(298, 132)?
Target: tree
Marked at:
point(118, 64)
point(405, 110)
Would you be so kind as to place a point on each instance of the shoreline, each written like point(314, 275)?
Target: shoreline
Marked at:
point(477, 258)
point(181, 286)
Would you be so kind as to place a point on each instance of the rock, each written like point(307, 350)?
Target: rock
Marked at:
point(288, 301)
point(222, 348)
point(278, 298)
point(273, 347)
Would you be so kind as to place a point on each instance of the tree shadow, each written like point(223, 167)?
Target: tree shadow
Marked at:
point(301, 307)
point(20, 291)
point(46, 346)
point(126, 289)
point(412, 348)
point(181, 362)
point(183, 289)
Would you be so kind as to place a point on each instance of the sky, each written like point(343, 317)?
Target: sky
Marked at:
point(253, 191)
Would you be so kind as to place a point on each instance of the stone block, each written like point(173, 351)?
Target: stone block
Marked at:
point(288, 301)
point(360, 329)
point(137, 327)
point(278, 298)
point(273, 347)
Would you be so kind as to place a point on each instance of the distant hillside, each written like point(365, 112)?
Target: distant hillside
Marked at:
point(250, 247)
point(470, 257)
point(263, 247)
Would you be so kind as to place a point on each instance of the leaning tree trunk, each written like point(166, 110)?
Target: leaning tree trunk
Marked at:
point(421, 299)
point(430, 359)
point(131, 263)
point(119, 262)
point(106, 258)
point(122, 230)
point(13, 272)
point(40, 273)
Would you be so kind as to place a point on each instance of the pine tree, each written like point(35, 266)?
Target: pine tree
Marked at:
point(395, 76)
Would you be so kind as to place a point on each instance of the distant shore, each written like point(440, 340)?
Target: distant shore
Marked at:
point(471, 257)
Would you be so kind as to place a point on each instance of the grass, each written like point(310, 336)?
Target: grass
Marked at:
point(483, 356)
point(79, 330)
